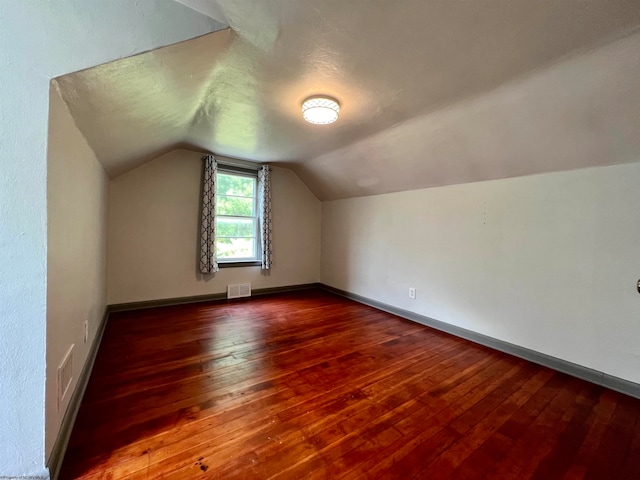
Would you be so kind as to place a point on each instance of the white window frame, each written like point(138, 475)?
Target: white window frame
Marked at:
point(257, 258)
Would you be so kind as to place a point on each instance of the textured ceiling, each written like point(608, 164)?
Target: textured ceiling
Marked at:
point(420, 83)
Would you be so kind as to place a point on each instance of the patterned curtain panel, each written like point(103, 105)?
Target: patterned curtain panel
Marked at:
point(264, 202)
point(208, 260)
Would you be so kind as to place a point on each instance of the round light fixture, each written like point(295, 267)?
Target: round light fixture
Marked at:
point(320, 109)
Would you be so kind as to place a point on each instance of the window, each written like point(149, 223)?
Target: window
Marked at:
point(237, 231)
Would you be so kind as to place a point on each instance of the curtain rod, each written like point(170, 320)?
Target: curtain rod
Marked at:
point(237, 163)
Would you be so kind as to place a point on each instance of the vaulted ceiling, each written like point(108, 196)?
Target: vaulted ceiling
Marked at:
point(432, 92)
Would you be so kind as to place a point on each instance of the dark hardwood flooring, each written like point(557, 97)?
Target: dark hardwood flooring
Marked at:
point(312, 385)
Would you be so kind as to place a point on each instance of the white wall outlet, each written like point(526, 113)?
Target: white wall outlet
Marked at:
point(86, 331)
point(412, 292)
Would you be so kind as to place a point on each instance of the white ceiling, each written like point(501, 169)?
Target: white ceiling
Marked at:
point(447, 91)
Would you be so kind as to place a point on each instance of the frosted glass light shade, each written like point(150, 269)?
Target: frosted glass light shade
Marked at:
point(320, 110)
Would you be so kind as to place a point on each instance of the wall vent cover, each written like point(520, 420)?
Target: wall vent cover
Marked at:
point(65, 376)
point(239, 291)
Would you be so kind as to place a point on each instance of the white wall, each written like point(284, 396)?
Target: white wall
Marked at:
point(76, 253)
point(38, 41)
point(548, 262)
point(153, 233)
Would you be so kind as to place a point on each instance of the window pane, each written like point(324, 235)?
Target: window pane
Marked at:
point(228, 248)
point(228, 184)
point(236, 219)
point(234, 206)
point(235, 227)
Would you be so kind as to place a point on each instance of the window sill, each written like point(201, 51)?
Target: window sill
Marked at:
point(252, 263)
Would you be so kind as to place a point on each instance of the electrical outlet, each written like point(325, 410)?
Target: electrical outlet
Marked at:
point(412, 293)
point(86, 331)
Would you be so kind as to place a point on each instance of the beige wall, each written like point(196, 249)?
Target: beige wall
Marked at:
point(548, 262)
point(76, 254)
point(153, 232)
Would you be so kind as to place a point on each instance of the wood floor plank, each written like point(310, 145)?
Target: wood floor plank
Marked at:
point(430, 424)
point(288, 416)
point(569, 442)
point(610, 457)
point(389, 407)
point(451, 425)
point(475, 433)
point(312, 385)
point(539, 437)
point(494, 449)
point(631, 467)
point(598, 422)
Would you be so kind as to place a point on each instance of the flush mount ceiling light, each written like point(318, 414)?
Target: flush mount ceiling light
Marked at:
point(320, 109)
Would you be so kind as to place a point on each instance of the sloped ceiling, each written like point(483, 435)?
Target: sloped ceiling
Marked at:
point(441, 91)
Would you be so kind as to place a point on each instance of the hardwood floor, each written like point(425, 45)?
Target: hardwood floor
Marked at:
point(311, 385)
